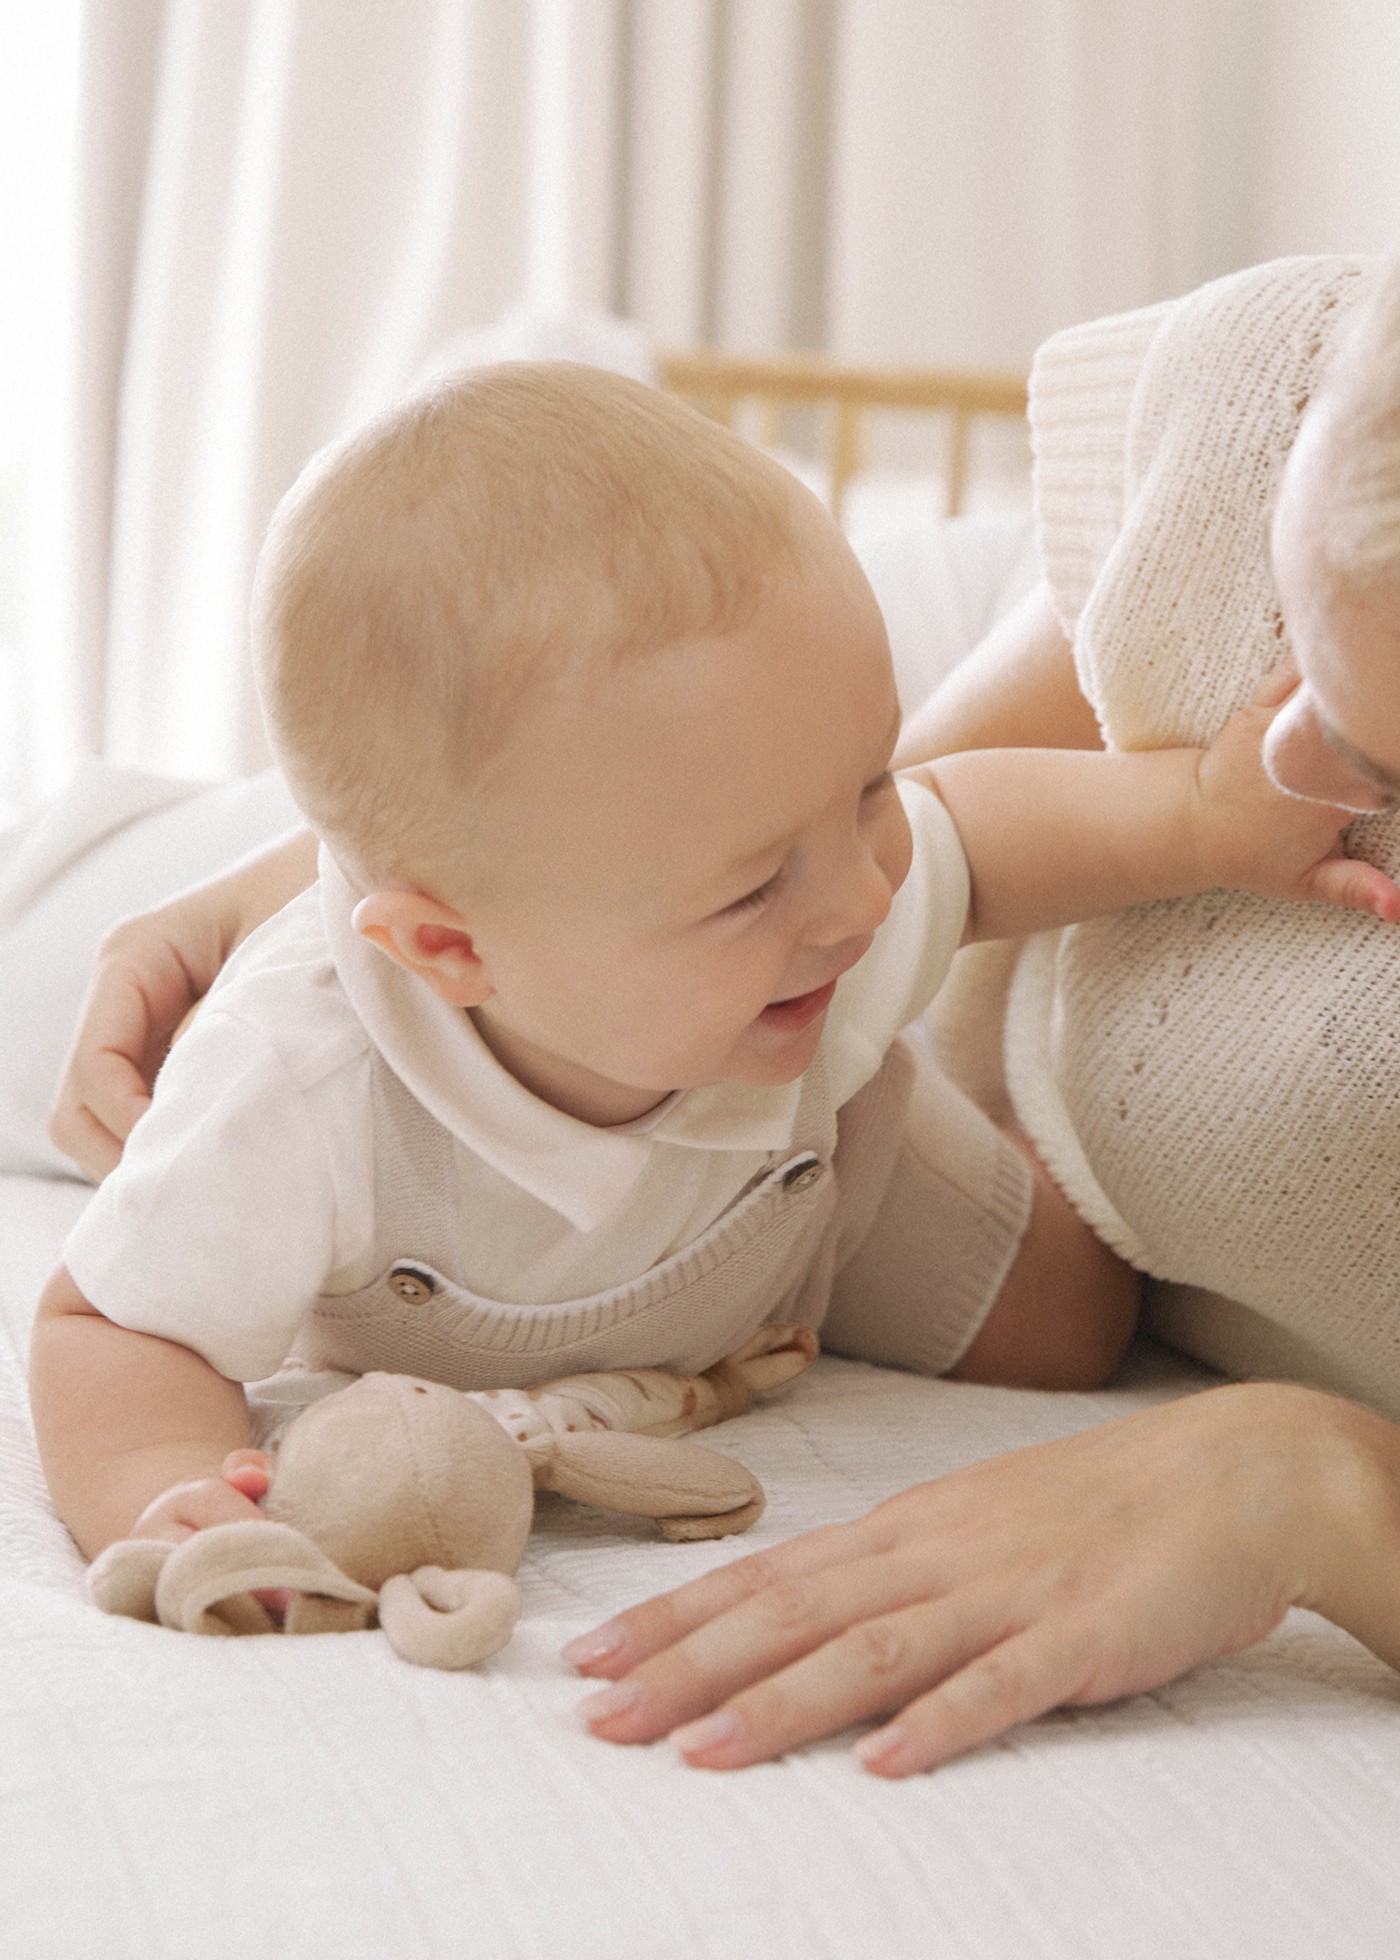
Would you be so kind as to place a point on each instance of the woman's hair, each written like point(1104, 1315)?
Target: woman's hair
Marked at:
point(422, 582)
point(1361, 397)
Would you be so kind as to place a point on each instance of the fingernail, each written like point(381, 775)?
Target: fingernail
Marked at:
point(599, 1645)
point(710, 1732)
point(887, 1749)
point(611, 1701)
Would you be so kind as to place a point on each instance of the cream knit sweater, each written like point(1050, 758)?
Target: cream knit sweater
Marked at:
point(1215, 1081)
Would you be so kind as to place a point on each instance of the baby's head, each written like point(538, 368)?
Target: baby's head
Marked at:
point(551, 662)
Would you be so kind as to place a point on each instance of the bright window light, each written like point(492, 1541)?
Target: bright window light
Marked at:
point(38, 89)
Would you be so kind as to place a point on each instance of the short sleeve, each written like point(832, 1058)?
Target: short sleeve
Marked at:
point(913, 948)
point(217, 1228)
point(1082, 387)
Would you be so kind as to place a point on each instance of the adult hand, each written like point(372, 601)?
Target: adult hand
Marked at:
point(1075, 1572)
point(152, 971)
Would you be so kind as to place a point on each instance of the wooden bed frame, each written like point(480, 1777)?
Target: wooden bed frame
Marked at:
point(720, 382)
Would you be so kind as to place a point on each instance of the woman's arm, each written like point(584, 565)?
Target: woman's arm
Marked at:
point(1016, 690)
point(152, 970)
point(1101, 1565)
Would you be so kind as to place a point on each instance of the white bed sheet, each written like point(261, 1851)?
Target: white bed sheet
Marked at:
point(169, 1797)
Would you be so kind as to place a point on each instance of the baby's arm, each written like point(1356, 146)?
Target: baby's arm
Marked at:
point(137, 1435)
point(1056, 835)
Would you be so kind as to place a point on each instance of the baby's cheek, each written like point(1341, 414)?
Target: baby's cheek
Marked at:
point(900, 847)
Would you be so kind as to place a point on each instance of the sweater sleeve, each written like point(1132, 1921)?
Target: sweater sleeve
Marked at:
point(1082, 387)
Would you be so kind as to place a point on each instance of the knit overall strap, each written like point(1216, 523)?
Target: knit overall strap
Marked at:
point(814, 1125)
point(415, 1177)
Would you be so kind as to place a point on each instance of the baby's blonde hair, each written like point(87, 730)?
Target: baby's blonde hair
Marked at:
point(1361, 397)
point(423, 580)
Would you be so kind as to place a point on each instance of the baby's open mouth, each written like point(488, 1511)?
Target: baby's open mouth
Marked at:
point(795, 1013)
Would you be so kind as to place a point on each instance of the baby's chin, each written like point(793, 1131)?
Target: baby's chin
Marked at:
point(771, 1056)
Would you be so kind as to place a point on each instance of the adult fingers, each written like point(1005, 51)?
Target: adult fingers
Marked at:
point(872, 1668)
point(79, 1135)
point(117, 1093)
point(782, 1622)
point(1012, 1682)
point(657, 1624)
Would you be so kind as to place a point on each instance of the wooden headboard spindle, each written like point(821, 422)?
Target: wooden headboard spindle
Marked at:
point(718, 382)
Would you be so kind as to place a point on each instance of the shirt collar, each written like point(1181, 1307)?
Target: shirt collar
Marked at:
point(582, 1172)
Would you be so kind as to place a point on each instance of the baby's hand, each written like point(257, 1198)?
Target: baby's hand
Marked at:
point(1255, 837)
point(229, 1498)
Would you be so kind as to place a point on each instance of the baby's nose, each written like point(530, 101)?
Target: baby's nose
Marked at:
point(1301, 760)
point(862, 903)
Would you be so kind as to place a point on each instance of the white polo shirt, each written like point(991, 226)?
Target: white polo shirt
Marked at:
point(247, 1189)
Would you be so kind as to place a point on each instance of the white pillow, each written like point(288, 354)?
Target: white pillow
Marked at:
point(943, 586)
point(115, 842)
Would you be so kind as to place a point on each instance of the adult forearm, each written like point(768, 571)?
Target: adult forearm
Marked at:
point(1017, 689)
point(120, 1417)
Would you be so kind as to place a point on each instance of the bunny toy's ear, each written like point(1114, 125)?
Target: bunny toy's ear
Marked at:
point(691, 1491)
point(122, 1579)
point(448, 1619)
point(205, 1584)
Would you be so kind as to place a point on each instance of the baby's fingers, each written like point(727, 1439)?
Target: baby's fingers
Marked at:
point(1359, 886)
point(1276, 686)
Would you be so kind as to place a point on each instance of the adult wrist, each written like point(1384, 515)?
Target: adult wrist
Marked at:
point(1349, 1519)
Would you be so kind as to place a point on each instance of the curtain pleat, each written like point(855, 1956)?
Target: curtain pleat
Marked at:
point(287, 204)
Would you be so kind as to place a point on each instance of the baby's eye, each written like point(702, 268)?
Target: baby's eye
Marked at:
point(751, 901)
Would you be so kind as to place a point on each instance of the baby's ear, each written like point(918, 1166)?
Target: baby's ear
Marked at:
point(428, 938)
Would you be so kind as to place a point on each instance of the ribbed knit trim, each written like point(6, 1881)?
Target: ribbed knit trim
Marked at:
point(1029, 1057)
point(1081, 392)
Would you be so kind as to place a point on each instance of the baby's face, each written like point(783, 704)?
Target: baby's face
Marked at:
point(685, 855)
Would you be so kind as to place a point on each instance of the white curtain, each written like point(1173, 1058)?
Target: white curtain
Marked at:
point(286, 204)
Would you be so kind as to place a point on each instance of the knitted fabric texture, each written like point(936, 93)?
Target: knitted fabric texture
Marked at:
point(1216, 1080)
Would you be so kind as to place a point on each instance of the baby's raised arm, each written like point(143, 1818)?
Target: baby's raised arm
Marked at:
point(1057, 835)
point(137, 1435)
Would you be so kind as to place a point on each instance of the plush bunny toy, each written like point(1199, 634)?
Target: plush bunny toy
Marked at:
point(408, 1502)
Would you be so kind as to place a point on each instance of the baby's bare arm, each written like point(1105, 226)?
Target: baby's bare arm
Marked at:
point(1057, 835)
point(130, 1427)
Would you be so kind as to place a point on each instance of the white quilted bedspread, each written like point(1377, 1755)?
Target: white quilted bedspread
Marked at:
point(168, 1797)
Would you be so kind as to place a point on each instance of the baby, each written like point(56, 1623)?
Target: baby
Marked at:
point(586, 1050)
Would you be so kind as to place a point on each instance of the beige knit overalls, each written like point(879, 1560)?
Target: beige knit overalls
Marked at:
point(906, 1204)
